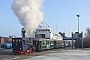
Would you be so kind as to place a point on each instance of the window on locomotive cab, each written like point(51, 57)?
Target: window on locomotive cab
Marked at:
point(51, 42)
point(16, 41)
point(19, 40)
point(44, 42)
point(47, 42)
point(23, 41)
point(13, 40)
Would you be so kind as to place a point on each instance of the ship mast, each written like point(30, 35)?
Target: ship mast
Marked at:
point(56, 28)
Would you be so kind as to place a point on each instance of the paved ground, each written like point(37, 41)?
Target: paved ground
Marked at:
point(57, 54)
point(6, 54)
point(64, 55)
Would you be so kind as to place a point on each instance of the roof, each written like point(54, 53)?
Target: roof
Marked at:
point(69, 38)
point(62, 34)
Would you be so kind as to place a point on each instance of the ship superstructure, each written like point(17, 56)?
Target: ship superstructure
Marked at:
point(45, 32)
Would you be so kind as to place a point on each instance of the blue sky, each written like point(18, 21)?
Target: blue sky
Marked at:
point(62, 12)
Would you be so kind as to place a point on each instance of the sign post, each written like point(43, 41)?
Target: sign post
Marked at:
point(72, 41)
point(82, 41)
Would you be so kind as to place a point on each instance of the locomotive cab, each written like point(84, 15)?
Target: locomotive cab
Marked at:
point(19, 45)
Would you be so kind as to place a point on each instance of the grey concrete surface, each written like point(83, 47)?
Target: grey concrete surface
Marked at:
point(57, 54)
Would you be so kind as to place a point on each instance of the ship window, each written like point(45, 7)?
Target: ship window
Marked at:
point(38, 30)
point(46, 29)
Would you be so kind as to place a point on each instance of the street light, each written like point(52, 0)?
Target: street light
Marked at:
point(78, 28)
point(78, 21)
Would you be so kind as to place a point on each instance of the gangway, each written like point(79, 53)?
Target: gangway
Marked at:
point(73, 38)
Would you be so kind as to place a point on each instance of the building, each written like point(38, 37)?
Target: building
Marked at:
point(1, 39)
point(4, 40)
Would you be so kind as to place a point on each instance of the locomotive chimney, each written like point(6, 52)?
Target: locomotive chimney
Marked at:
point(23, 32)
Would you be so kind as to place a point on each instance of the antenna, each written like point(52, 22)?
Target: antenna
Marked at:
point(56, 28)
point(43, 23)
point(64, 31)
point(47, 25)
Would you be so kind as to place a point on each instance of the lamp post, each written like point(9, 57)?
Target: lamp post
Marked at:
point(78, 21)
point(78, 28)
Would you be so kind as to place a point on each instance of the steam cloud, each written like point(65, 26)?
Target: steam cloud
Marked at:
point(28, 13)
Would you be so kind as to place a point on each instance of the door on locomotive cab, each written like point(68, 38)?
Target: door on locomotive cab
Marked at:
point(48, 44)
point(51, 44)
point(17, 43)
point(39, 46)
point(55, 44)
point(35, 42)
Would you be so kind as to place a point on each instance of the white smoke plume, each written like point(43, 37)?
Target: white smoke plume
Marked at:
point(28, 13)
